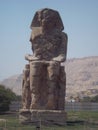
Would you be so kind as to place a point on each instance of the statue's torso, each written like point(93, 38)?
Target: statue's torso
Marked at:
point(46, 46)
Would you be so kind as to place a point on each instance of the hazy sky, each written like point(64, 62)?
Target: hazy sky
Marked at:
point(80, 18)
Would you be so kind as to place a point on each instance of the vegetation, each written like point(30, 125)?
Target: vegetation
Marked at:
point(83, 115)
point(90, 122)
point(90, 99)
point(6, 96)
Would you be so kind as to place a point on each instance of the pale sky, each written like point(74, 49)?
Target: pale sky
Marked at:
point(80, 19)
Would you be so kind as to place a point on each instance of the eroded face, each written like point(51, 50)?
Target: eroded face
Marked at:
point(47, 20)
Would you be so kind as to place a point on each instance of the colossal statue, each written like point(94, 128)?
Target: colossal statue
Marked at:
point(44, 78)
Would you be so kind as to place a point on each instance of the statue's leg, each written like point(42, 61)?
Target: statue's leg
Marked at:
point(52, 81)
point(62, 88)
point(28, 97)
point(26, 87)
point(23, 98)
point(35, 80)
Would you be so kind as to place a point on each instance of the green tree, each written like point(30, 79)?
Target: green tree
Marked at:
point(6, 96)
point(90, 99)
point(86, 99)
point(94, 99)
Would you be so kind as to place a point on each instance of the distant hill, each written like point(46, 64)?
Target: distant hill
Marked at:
point(82, 77)
point(14, 83)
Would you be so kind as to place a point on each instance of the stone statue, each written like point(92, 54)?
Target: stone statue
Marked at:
point(44, 81)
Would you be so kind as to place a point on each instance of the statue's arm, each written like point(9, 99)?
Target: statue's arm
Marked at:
point(31, 57)
point(63, 49)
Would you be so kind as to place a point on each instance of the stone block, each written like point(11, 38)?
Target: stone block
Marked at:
point(43, 117)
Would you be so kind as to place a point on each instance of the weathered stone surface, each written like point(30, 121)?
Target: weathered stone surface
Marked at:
point(47, 82)
point(44, 80)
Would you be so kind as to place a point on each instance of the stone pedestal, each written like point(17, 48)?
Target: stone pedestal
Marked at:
point(43, 117)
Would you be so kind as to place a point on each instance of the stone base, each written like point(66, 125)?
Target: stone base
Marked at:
point(43, 117)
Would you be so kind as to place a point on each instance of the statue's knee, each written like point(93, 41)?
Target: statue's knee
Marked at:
point(53, 72)
point(35, 68)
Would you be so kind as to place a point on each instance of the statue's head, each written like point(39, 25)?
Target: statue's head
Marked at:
point(48, 19)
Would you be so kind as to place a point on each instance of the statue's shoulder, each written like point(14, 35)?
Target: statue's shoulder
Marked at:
point(64, 35)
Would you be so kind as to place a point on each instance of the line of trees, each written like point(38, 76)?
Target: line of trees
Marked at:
point(6, 97)
point(90, 99)
point(84, 99)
